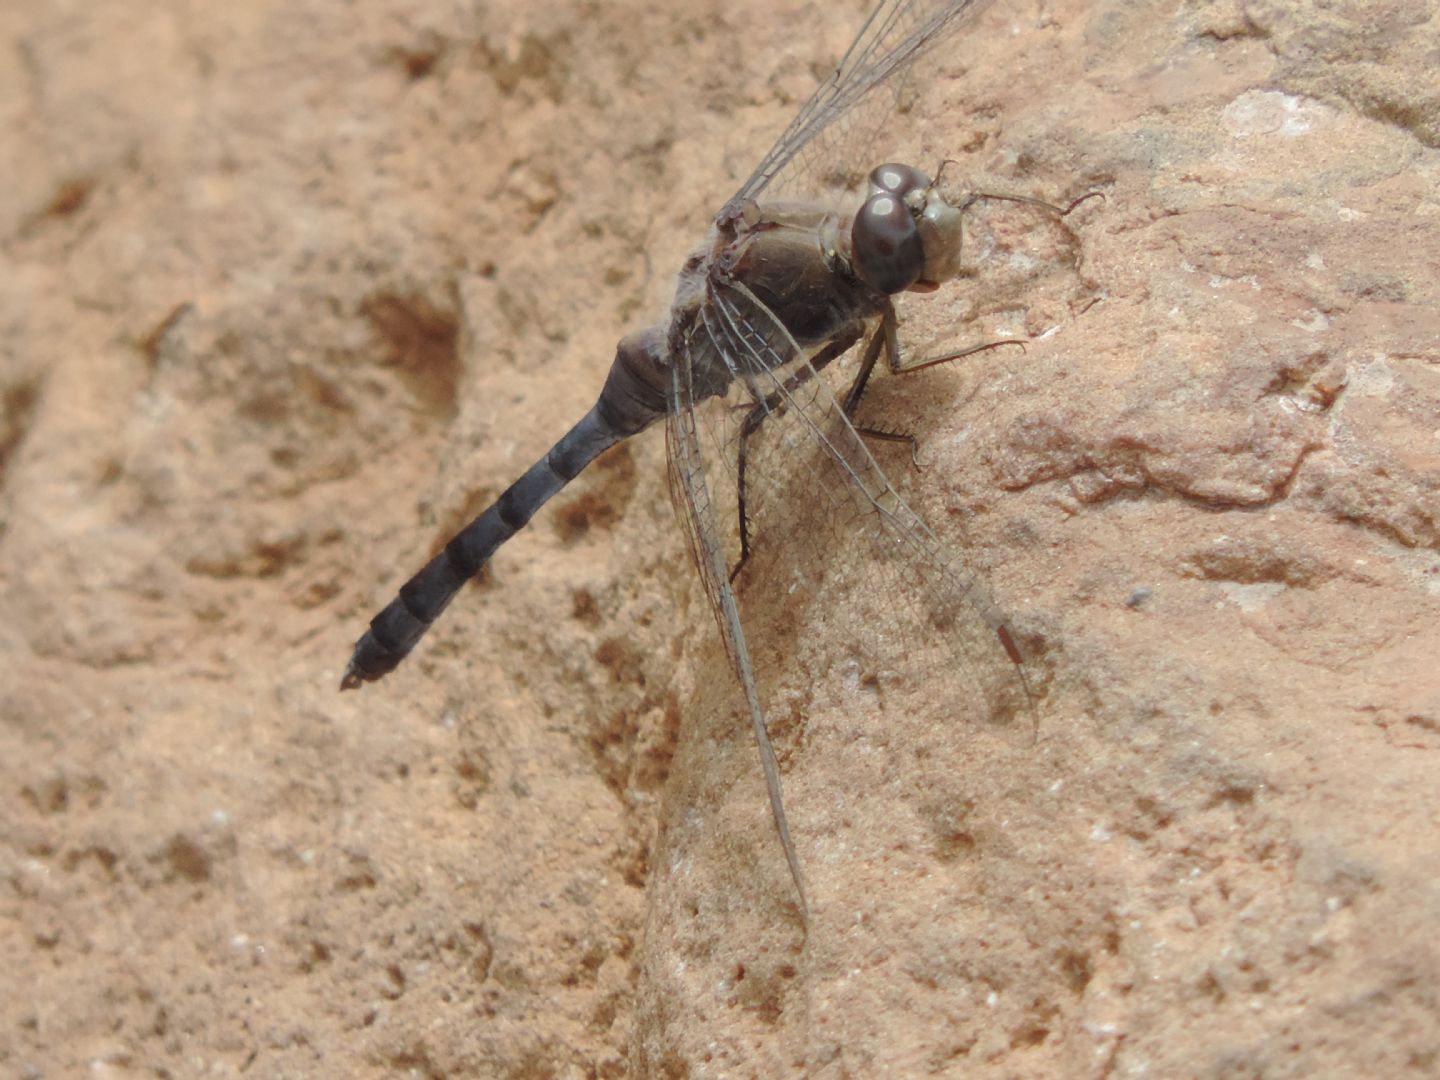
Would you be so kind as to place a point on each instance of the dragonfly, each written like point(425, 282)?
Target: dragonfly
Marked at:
point(768, 463)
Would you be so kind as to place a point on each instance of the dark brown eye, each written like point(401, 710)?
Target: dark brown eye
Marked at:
point(897, 179)
point(885, 244)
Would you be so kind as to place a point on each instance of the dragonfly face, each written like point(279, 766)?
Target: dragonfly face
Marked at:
point(905, 236)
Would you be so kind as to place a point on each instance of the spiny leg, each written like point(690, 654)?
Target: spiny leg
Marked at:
point(774, 402)
point(885, 337)
point(896, 368)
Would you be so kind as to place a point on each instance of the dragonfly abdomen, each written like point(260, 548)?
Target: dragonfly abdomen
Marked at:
point(628, 403)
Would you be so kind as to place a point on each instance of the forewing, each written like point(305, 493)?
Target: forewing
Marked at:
point(690, 495)
point(838, 554)
point(690, 492)
point(830, 141)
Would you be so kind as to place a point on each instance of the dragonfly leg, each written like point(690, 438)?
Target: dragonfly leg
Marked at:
point(885, 338)
point(882, 338)
point(774, 402)
point(897, 368)
point(748, 427)
point(881, 435)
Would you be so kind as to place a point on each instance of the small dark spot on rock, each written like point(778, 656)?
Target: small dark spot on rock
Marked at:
point(418, 61)
point(473, 769)
point(397, 981)
point(584, 608)
point(318, 955)
point(1236, 794)
point(360, 876)
point(622, 662)
point(102, 855)
point(421, 341)
point(1210, 986)
point(1030, 1035)
point(187, 858)
point(69, 197)
point(151, 343)
point(323, 391)
point(17, 411)
point(1075, 966)
point(49, 796)
point(579, 515)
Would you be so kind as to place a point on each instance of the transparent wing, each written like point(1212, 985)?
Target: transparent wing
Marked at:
point(837, 557)
point(829, 142)
point(689, 491)
point(835, 554)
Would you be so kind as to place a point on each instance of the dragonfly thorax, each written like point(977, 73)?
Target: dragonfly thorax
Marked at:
point(905, 235)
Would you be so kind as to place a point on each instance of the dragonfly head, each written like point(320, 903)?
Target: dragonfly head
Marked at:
point(905, 236)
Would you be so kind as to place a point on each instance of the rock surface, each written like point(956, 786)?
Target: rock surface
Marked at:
point(291, 290)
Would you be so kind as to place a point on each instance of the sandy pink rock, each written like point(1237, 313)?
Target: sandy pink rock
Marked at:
point(290, 291)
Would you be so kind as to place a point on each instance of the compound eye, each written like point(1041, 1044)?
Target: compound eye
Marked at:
point(885, 243)
point(898, 180)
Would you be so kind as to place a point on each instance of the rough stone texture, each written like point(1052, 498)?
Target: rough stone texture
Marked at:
point(291, 289)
